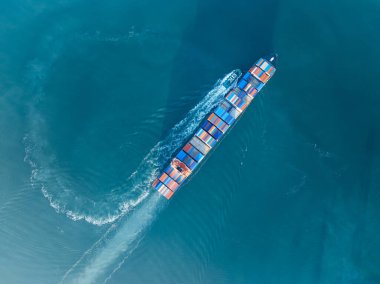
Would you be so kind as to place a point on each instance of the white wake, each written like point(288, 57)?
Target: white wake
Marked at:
point(124, 236)
point(55, 183)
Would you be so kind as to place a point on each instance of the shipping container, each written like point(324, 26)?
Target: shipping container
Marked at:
point(172, 185)
point(190, 163)
point(219, 111)
point(252, 92)
point(266, 67)
point(218, 122)
point(271, 71)
point(234, 112)
point(242, 84)
point(232, 96)
point(260, 61)
point(155, 183)
point(181, 155)
point(187, 160)
point(212, 129)
point(205, 137)
point(260, 74)
point(239, 99)
point(193, 152)
point(247, 87)
point(200, 145)
point(164, 178)
point(161, 188)
point(264, 77)
point(256, 84)
point(175, 174)
point(230, 109)
point(165, 191)
point(248, 76)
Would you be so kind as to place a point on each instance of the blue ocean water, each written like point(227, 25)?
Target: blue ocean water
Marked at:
point(95, 97)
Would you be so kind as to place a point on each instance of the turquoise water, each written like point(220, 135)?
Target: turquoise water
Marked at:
point(95, 97)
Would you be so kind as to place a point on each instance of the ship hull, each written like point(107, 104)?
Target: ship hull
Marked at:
point(214, 127)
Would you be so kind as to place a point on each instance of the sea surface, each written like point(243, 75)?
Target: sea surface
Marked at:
point(95, 97)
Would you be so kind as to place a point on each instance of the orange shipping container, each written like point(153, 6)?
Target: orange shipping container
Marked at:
point(264, 77)
point(163, 177)
point(173, 185)
point(169, 194)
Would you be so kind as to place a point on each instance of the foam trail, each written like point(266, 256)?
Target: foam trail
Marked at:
point(110, 249)
point(124, 236)
point(59, 189)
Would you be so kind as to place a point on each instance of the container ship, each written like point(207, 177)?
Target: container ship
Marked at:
point(215, 126)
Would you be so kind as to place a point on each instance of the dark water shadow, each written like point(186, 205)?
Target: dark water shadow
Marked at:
point(225, 36)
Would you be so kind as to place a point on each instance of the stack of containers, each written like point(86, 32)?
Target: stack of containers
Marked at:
point(193, 152)
point(187, 160)
point(199, 145)
point(174, 174)
point(205, 137)
point(239, 98)
point(213, 128)
point(218, 122)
